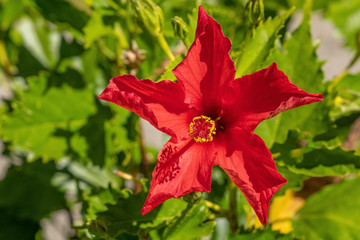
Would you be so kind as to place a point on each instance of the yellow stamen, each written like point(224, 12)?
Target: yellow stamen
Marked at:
point(202, 129)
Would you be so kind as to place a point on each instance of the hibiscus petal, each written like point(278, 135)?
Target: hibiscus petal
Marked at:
point(161, 103)
point(182, 168)
point(207, 68)
point(263, 95)
point(249, 164)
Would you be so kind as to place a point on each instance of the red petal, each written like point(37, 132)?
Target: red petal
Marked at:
point(161, 103)
point(250, 166)
point(262, 95)
point(182, 168)
point(207, 68)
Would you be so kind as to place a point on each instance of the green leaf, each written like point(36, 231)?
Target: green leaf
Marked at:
point(97, 202)
point(333, 213)
point(44, 118)
point(168, 73)
point(70, 49)
point(28, 64)
point(295, 180)
point(123, 217)
point(350, 82)
point(170, 210)
point(95, 29)
point(192, 17)
point(327, 162)
point(62, 13)
point(316, 159)
point(297, 59)
point(258, 47)
point(39, 39)
point(196, 223)
point(93, 137)
point(346, 16)
point(346, 97)
point(10, 11)
point(90, 174)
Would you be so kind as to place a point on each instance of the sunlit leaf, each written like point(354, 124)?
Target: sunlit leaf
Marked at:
point(331, 214)
point(46, 116)
point(168, 73)
point(95, 29)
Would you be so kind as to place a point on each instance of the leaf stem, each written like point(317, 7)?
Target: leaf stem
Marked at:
point(233, 216)
point(186, 43)
point(164, 45)
point(127, 176)
point(178, 221)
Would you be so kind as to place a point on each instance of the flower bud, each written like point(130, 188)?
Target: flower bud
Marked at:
point(149, 16)
point(255, 11)
point(193, 197)
point(180, 27)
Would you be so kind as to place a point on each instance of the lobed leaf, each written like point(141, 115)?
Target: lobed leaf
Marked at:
point(298, 60)
point(316, 159)
point(46, 116)
point(195, 224)
point(125, 216)
point(259, 46)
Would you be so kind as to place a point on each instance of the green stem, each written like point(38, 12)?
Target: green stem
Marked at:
point(164, 45)
point(178, 221)
point(233, 216)
point(186, 43)
point(105, 50)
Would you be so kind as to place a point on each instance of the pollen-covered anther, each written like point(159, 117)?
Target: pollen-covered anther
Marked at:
point(202, 129)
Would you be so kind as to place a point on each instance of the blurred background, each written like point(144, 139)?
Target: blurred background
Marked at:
point(75, 167)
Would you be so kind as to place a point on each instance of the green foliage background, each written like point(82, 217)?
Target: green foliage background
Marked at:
point(69, 151)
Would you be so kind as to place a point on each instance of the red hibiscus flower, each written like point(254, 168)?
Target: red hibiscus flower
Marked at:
point(211, 118)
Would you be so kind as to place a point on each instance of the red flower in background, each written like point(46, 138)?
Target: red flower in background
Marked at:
point(211, 118)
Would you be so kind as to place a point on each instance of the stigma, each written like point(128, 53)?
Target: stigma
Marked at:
point(202, 129)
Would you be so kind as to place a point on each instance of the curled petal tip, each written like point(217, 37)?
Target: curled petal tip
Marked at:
point(320, 97)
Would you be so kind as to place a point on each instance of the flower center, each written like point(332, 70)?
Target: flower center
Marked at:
point(202, 129)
